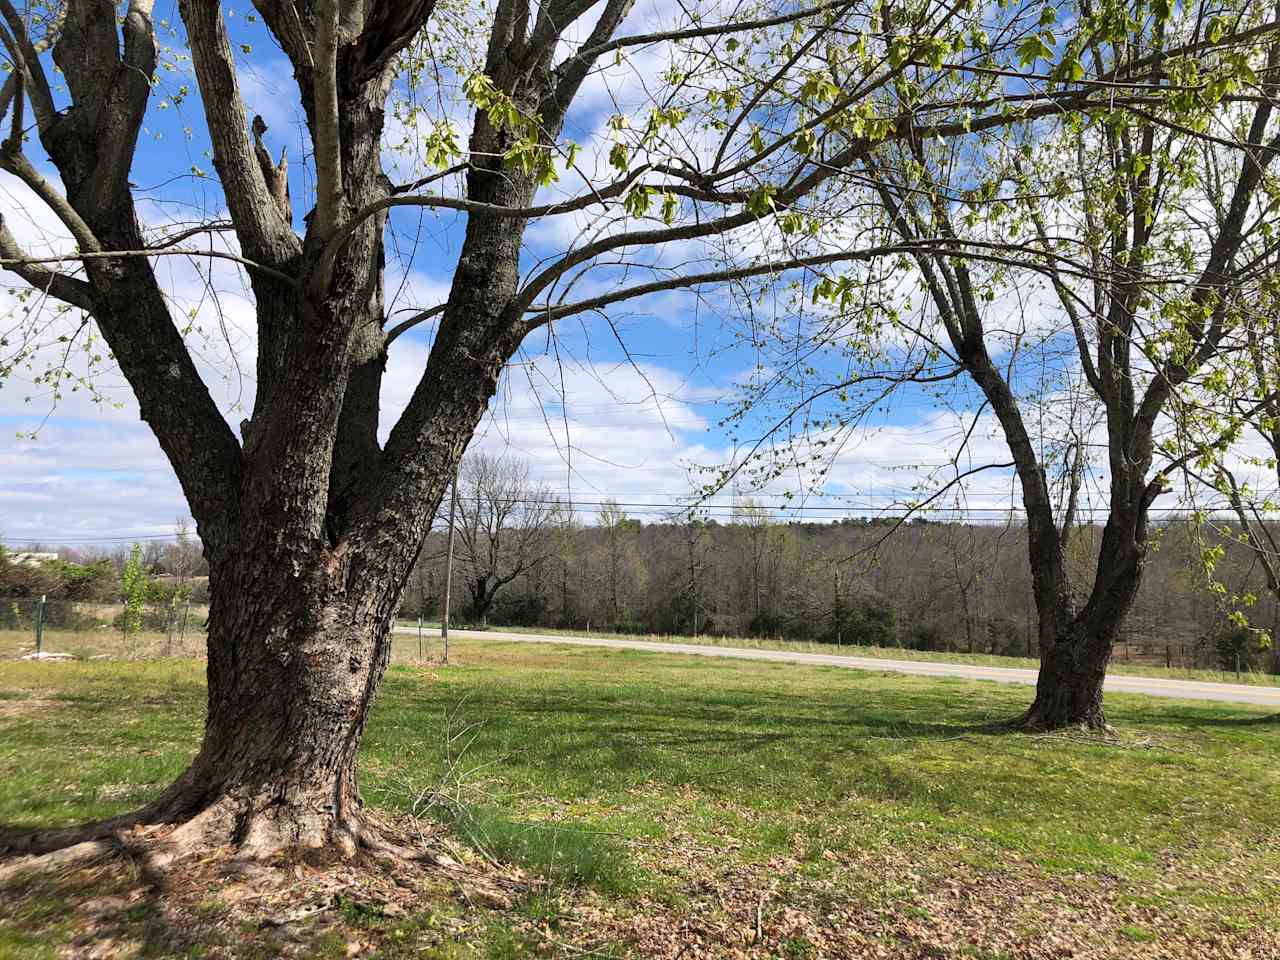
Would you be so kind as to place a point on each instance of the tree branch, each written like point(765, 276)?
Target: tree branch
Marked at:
point(592, 52)
point(68, 289)
point(904, 128)
point(405, 325)
point(916, 508)
point(546, 313)
point(328, 149)
point(15, 161)
point(165, 251)
point(26, 57)
point(570, 74)
point(264, 235)
point(1066, 298)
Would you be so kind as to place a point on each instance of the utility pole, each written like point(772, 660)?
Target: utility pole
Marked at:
point(448, 568)
point(837, 607)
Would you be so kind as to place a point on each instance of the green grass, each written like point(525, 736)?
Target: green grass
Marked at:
point(632, 777)
point(431, 635)
point(103, 641)
point(562, 854)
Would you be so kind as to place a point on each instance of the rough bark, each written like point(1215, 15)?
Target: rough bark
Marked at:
point(1069, 685)
point(294, 660)
point(307, 564)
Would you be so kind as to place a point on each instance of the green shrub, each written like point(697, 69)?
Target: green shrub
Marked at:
point(1241, 647)
point(926, 636)
point(867, 620)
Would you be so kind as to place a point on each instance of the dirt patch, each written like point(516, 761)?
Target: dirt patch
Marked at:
point(300, 904)
point(27, 707)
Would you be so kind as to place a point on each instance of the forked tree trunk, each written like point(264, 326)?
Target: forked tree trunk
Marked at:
point(482, 598)
point(1073, 663)
point(1069, 686)
point(311, 525)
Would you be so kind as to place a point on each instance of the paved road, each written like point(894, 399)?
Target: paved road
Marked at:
point(1117, 683)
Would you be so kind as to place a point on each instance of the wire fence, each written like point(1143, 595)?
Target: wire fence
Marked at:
point(43, 628)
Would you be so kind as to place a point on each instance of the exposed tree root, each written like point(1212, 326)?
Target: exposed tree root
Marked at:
point(35, 843)
point(1038, 720)
point(68, 858)
point(161, 889)
point(250, 838)
point(167, 832)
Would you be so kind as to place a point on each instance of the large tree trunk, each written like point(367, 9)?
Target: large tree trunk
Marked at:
point(1073, 665)
point(311, 526)
point(294, 661)
point(1069, 686)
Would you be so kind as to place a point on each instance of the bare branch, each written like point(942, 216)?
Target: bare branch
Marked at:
point(421, 317)
point(151, 252)
point(430, 178)
point(328, 150)
point(218, 226)
point(571, 73)
point(1067, 299)
point(546, 313)
point(26, 57)
point(15, 161)
point(913, 509)
point(614, 190)
point(264, 235)
point(68, 289)
point(592, 52)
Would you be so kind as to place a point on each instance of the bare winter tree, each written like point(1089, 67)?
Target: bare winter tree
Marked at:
point(617, 533)
point(506, 526)
point(757, 520)
point(182, 557)
point(311, 516)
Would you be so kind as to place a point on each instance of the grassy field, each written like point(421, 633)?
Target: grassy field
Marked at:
point(684, 807)
point(431, 633)
point(104, 642)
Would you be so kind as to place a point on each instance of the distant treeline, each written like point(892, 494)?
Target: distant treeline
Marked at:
point(925, 585)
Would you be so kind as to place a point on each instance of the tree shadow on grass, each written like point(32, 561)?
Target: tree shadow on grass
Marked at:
point(1192, 720)
point(781, 743)
point(686, 722)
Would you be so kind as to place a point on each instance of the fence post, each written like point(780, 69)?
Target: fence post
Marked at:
point(448, 567)
point(1237, 664)
point(419, 636)
point(40, 625)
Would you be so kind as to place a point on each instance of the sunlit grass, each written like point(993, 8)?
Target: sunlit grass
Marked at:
point(580, 764)
point(432, 646)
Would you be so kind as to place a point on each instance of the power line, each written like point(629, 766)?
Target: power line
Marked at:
point(669, 512)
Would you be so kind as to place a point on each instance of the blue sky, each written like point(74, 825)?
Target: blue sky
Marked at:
point(622, 407)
